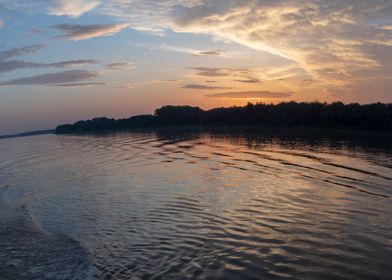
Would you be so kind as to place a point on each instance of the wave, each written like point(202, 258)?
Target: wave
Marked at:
point(30, 252)
point(153, 207)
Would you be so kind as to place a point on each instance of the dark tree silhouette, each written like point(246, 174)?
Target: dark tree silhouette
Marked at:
point(377, 116)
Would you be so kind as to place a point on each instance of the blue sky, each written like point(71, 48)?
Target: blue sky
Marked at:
point(61, 61)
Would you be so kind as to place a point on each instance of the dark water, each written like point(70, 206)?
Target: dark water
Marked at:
point(195, 206)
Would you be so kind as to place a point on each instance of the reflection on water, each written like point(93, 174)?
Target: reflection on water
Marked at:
point(195, 205)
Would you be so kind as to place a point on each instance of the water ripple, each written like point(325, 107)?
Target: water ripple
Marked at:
point(199, 206)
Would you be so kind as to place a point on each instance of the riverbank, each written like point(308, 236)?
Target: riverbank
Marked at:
point(323, 116)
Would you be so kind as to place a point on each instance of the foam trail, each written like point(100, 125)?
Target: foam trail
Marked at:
point(29, 252)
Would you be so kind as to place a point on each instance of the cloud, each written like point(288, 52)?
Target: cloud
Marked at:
point(92, 84)
point(120, 66)
point(72, 8)
point(327, 39)
point(338, 43)
point(129, 85)
point(35, 30)
point(1, 23)
point(73, 63)
point(70, 76)
point(249, 81)
point(76, 32)
point(6, 54)
point(166, 81)
point(221, 72)
point(194, 52)
point(250, 94)
point(32, 32)
point(387, 27)
point(202, 87)
point(286, 72)
point(212, 72)
point(10, 65)
point(333, 42)
point(212, 53)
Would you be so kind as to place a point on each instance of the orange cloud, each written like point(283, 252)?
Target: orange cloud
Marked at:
point(72, 8)
point(76, 32)
point(250, 94)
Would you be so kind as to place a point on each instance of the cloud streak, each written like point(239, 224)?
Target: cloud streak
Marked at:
point(10, 53)
point(10, 65)
point(330, 40)
point(64, 77)
point(72, 8)
point(193, 51)
point(250, 95)
point(212, 53)
point(336, 43)
point(203, 87)
point(7, 66)
point(120, 66)
point(92, 84)
point(248, 81)
point(218, 72)
point(76, 32)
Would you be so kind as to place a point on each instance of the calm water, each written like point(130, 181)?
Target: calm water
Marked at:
point(195, 206)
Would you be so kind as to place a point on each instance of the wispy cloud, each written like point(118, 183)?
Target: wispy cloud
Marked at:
point(167, 81)
point(203, 87)
point(10, 53)
point(194, 52)
point(212, 53)
point(211, 72)
point(92, 84)
point(250, 94)
point(64, 77)
point(72, 8)
point(129, 85)
point(249, 81)
point(72, 63)
point(120, 66)
point(76, 32)
point(32, 32)
point(386, 27)
point(10, 65)
point(1, 23)
point(334, 42)
point(36, 30)
point(329, 40)
point(220, 72)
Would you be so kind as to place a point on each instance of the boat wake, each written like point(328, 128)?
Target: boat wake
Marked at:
point(30, 252)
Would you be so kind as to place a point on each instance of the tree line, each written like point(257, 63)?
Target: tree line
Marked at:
point(376, 116)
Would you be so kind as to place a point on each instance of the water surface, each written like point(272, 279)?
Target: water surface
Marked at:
point(195, 205)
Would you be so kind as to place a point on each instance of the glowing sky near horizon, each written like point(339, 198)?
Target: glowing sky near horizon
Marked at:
point(65, 60)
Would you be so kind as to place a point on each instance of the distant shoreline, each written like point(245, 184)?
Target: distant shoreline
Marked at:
point(29, 133)
point(336, 116)
point(237, 129)
point(314, 117)
point(317, 131)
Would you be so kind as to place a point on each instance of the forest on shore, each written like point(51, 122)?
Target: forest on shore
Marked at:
point(374, 117)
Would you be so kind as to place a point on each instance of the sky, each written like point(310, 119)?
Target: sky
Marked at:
point(67, 60)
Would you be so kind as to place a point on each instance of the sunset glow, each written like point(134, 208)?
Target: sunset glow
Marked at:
point(61, 61)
